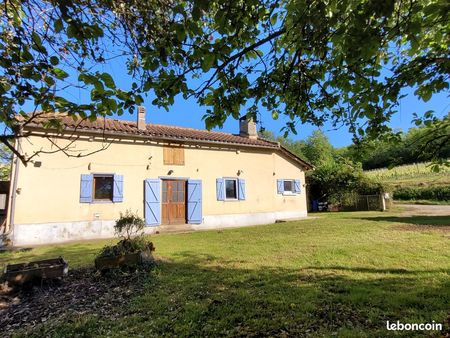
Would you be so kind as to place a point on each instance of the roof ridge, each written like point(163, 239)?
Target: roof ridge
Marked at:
point(133, 123)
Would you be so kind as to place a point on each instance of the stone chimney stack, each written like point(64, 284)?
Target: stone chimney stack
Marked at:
point(247, 127)
point(141, 118)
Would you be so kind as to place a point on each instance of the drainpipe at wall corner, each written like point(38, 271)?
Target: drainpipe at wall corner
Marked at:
point(13, 191)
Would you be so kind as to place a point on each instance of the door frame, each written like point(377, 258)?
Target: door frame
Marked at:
point(185, 180)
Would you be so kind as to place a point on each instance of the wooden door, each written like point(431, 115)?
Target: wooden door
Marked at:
point(173, 202)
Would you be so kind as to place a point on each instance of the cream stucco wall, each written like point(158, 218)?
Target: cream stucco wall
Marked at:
point(50, 193)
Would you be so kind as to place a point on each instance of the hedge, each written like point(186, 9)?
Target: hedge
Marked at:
point(439, 193)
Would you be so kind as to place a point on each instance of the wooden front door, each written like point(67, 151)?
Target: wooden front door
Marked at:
point(173, 202)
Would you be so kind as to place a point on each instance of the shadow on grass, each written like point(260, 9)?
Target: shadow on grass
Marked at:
point(201, 296)
point(416, 220)
point(76, 254)
point(379, 271)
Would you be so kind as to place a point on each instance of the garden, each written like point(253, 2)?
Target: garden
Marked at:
point(343, 274)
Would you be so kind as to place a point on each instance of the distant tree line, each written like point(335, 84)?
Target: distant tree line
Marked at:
point(338, 176)
point(426, 142)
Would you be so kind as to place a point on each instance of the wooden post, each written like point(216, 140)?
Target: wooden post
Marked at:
point(383, 202)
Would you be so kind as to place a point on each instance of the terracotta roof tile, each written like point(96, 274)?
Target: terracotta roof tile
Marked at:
point(153, 131)
point(156, 132)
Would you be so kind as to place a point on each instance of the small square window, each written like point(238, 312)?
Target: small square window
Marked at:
point(230, 189)
point(103, 187)
point(288, 186)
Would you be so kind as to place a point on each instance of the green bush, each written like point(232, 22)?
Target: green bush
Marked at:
point(127, 246)
point(438, 193)
point(129, 227)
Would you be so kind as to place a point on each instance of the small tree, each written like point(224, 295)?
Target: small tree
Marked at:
point(129, 225)
point(130, 229)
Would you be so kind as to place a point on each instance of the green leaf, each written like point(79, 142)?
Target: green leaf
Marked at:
point(59, 73)
point(58, 25)
point(108, 80)
point(181, 32)
point(54, 60)
point(274, 19)
point(208, 61)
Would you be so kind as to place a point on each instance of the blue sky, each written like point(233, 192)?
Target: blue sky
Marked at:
point(187, 113)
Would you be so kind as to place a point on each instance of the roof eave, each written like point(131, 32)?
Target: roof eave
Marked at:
point(146, 137)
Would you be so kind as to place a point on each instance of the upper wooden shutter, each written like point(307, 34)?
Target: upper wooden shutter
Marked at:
point(173, 155)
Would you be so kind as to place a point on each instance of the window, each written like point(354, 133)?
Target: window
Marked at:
point(103, 187)
point(230, 189)
point(288, 185)
point(173, 155)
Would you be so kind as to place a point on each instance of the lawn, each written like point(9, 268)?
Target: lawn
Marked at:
point(343, 274)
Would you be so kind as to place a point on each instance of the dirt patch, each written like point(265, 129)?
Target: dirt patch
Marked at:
point(83, 291)
point(425, 210)
point(445, 229)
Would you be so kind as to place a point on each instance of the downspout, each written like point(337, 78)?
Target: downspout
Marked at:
point(13, 191)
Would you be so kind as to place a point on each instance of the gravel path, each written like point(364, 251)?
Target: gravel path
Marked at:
point(425, 210)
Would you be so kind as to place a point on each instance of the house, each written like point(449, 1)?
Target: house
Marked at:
point(85, 173)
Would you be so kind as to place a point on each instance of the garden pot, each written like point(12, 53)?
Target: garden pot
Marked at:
point(130, 259)
point(22, 273)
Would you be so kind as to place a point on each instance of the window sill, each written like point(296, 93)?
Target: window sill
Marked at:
point(289, 194)
point(102, 202)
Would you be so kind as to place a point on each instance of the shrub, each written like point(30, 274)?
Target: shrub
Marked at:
point(129, 225)
point(438, 193)
point(126, 246)
point(130, 228)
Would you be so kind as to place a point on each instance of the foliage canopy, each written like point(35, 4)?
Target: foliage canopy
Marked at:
point(343, 61)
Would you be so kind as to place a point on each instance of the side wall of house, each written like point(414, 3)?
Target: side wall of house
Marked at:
point(48, 207)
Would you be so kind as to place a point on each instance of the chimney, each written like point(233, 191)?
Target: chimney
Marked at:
point(141, 118)
point(247, 127)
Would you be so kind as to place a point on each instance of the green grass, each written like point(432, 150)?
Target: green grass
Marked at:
point(343, 274)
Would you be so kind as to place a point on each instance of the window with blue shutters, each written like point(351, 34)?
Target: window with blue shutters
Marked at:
point(101, 188)
point(288, 186)
point(230, 189)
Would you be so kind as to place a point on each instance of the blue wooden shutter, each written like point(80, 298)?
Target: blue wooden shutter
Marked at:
point(152, 202)
point(220, 191)
point(297, 186)
point(280, 186)
point(194, 201)
point(241, 188)
point(118, 188)
point(86, 187)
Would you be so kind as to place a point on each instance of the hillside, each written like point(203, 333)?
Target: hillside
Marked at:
point(411, 175)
